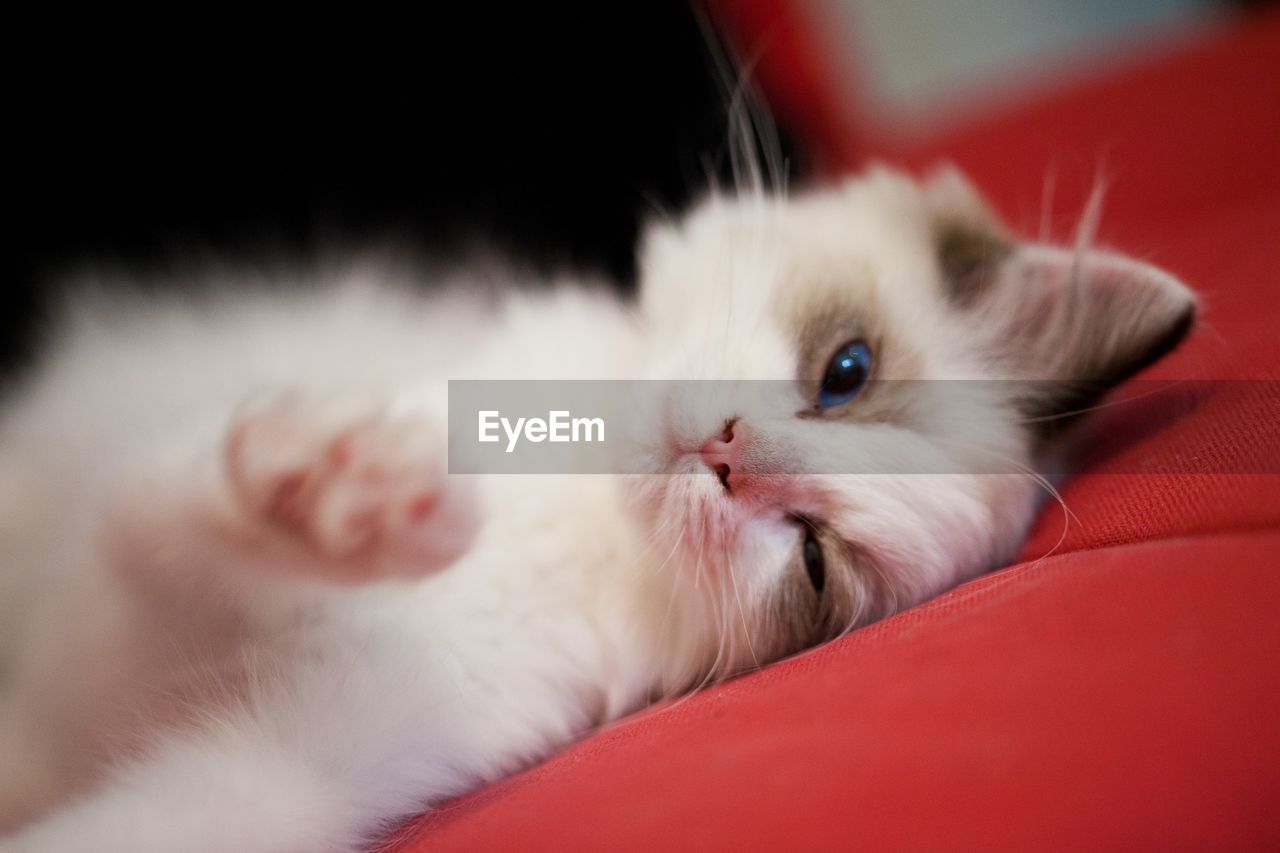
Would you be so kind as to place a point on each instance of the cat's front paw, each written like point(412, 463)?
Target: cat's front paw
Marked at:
point(363, 490)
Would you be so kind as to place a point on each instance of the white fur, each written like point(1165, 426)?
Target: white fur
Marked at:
point(187, 666)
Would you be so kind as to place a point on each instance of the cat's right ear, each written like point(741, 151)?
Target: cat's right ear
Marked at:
point(1073, 321)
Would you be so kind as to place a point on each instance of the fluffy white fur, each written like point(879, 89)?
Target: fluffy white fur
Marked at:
point(244, 608)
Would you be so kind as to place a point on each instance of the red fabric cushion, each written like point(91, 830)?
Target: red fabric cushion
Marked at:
point(1119, 693)
point(1080, 702)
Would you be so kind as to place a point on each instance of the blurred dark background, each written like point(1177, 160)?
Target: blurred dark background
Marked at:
point(547, 130)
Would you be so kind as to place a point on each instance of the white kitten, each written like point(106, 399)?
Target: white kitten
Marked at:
point(245, 608)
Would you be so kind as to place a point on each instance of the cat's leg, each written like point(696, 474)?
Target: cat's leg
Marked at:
point(220, 791)
point(326, 488)
point(200, 548)
point(326, 755)
point(30, 778)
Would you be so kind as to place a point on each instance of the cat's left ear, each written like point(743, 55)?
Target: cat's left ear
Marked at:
point(1076, 321)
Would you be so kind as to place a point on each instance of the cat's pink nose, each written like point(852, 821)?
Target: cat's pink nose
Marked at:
point(720, 452)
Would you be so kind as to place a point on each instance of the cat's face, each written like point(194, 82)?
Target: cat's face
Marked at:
point(806, 482)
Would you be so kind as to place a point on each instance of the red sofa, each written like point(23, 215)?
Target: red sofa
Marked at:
point(1122, 692)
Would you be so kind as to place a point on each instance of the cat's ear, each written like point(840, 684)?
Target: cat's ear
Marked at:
point(953, 200)
point(1073, 322)
point(967, 235)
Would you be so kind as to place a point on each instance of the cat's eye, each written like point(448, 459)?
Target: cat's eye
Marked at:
point(814, 565)
point(846, 374)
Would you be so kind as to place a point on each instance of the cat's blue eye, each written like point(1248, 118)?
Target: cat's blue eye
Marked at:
point(846, 374)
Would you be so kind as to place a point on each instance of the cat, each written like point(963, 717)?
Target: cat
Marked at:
point(247, 608)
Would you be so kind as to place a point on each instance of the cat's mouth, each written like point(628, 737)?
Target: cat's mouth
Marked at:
point(723, 502)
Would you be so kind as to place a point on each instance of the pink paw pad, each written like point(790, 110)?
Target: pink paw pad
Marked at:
point(370, 491)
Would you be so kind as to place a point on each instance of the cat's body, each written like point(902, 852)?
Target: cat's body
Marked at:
point(244, 609)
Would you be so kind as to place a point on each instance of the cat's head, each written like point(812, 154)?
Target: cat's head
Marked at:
point(810, 483)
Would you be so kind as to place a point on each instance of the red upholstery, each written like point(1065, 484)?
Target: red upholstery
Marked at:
point(1122, 693)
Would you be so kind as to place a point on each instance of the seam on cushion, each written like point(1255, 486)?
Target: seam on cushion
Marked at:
point(1266, 527)
point(983, 585)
